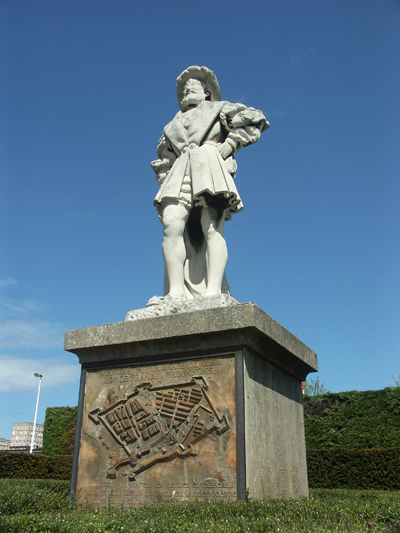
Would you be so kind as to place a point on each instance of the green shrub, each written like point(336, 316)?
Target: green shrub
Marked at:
point(32, 466)
point(33, 496)
point(59, 430)
point(325, 511)
point(354, 469)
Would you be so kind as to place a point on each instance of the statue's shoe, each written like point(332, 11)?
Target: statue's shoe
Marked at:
point(159, 300)
point(156, 300)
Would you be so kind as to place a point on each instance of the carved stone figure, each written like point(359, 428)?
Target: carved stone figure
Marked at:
point(195, 172)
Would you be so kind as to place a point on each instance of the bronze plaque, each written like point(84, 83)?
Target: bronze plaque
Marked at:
point(159, 432)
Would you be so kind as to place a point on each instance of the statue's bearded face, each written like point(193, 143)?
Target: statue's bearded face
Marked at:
point(193, 94)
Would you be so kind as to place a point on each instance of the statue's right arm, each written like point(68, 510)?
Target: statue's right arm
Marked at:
point(167, 158)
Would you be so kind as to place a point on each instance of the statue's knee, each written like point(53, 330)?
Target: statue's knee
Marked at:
point(211, 223)
point(173, 227)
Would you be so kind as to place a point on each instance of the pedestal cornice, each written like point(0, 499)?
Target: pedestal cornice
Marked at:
point(223, 327)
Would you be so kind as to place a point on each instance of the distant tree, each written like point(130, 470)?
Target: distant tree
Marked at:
point(397, 381)
point(314, 387)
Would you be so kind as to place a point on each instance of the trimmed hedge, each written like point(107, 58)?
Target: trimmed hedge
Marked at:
point(377, 468)
point(352, 441)
point(354, 419)
point(59, 430)
point(328, 469)
point(30, 466)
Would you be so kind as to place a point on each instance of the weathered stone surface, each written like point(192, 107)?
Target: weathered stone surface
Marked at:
point(208, 329)
point(171, 307)
point(276, 464)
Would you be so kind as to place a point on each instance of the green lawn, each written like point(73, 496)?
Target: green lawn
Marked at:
point(43, 506)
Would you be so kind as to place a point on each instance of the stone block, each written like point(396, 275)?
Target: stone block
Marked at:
point(201, 405)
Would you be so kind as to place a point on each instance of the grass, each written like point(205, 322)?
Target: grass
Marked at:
point(43, 506)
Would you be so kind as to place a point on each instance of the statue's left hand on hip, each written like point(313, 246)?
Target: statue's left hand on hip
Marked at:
point(225, 150)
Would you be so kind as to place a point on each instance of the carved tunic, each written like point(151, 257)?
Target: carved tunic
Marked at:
point(191, 168)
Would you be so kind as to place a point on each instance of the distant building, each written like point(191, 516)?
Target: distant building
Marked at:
point(4, 444)
point(22, 435)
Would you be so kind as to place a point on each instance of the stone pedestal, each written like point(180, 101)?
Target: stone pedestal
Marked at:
point(198, 405)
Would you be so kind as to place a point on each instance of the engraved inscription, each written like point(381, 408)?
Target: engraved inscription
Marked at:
point(186, 369)
point(158, 424)
point(103, 495)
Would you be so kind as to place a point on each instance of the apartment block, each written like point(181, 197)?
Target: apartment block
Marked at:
point(22, 435)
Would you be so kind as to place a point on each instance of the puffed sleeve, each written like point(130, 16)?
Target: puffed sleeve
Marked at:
point(244, 124)
point(167, 158)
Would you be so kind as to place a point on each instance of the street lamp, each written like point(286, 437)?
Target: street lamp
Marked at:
point(37, 403)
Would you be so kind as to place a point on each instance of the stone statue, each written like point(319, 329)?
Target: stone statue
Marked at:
point(195, 172)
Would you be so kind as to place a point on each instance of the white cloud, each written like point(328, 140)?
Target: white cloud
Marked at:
point(7, 282)
point(17, 373)
point(19, 327)
point(11, 307)
point(31, 334)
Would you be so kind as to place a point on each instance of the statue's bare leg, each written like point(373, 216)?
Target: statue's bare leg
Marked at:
point(173, 246)
point(217, 252)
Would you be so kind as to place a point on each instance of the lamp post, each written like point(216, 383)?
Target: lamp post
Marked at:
point(37, 403)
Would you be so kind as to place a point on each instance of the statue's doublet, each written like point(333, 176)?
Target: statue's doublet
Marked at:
point(193, 137)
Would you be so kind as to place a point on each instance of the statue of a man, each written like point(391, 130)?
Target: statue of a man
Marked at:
point(196, 171)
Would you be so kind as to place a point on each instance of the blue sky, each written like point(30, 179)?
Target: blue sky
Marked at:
point(87, 87)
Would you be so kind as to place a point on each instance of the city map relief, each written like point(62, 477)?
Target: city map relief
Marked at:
point(158, 424)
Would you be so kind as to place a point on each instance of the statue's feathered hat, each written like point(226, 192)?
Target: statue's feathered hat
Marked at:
point(203, 74)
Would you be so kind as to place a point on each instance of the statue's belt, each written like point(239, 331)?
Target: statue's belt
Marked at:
point(192, 145)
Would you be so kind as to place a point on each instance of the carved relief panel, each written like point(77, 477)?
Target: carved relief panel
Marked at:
point(159, 432)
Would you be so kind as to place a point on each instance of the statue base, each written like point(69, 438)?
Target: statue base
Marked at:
point(202, 405)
